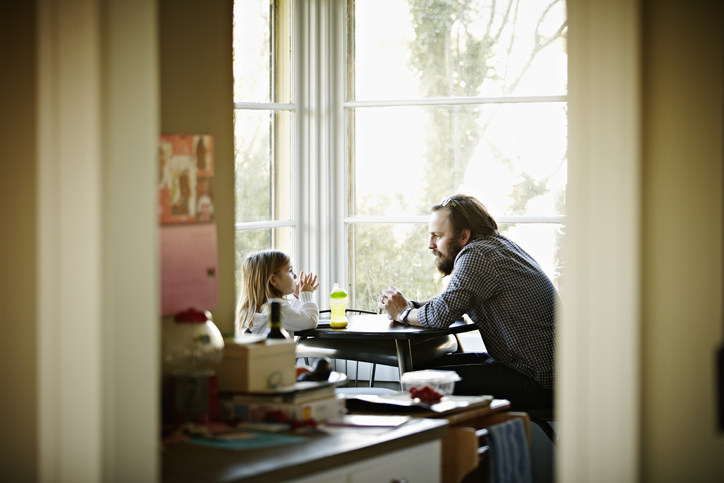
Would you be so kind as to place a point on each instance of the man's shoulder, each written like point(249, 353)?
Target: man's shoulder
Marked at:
point(478, 252)
point(488, 243)
point(492, 247)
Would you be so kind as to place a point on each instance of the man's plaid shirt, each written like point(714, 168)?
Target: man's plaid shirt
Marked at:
point(510, 299)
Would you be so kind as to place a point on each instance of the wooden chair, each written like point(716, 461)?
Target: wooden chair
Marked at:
point(466, 457)
point(543, 418)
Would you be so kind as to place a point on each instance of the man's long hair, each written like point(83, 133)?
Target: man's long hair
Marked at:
point(468, 213)
point(256, 288)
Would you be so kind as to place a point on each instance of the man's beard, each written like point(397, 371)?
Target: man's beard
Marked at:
point(446, 263)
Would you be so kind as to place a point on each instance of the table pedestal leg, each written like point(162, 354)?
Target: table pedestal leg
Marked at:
point(404, 356)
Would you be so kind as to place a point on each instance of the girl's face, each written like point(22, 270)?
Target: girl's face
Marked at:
point(284, 280)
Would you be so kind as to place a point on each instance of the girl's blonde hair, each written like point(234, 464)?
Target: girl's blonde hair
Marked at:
point(256, 288)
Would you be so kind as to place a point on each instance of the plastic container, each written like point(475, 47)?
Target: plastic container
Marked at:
point(442, 382)
point(191, 344)
point(338, 305)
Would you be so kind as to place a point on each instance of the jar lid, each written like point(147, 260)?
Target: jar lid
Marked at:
point(337, 292)
point(192, 316)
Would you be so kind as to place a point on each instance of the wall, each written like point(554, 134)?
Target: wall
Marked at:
point(597, 340)
point(78, 367)
point(126, 346)
point(683, 82)
point(196, 98)
point(18, 363)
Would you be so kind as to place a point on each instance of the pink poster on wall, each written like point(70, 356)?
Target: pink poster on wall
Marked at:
point(188, 268)
point(188, 244)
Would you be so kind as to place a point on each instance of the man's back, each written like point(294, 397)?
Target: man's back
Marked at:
point(511, 300)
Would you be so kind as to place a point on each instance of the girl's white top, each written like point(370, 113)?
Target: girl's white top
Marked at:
point(296, 314)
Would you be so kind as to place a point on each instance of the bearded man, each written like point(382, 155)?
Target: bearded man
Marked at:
point(504, 292)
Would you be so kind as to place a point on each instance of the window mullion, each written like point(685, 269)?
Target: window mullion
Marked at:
point(336, 128)
point(300, 157)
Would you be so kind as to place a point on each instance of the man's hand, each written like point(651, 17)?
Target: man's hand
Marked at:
point(393, 302)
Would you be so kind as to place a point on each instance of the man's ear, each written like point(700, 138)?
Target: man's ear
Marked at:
point(464, 236)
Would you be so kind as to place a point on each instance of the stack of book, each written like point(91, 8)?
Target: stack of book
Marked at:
point(299, 403)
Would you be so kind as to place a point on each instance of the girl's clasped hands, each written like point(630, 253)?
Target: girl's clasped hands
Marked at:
point(305, 283)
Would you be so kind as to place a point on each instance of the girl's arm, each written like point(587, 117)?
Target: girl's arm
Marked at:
point(299, 314)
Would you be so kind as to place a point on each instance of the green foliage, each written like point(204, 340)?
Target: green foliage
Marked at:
point(450, 62)
point(253, 167)
point(524, 191)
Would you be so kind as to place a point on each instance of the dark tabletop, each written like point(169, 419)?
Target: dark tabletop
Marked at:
point(379, 326)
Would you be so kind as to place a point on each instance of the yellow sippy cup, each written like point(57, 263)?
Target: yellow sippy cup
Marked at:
point(337, 305)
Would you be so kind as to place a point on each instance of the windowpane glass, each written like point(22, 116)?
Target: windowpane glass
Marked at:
point(397, 254)
point(449, 48)
point(262, 141)
point(252, 51)
point(510, 156)
point(263, 133)
point(248, 241)
point(391, 254)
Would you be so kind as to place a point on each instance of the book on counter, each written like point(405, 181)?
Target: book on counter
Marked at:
point(285, 397)
point(251, 408)
point(302, 401)
point(402, 403)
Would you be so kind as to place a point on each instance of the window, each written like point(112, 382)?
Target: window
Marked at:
point(427, 98)
point(264, 119)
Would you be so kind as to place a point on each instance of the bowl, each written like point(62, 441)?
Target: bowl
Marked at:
point(442, 382)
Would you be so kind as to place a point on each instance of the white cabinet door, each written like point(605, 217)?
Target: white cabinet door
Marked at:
point(417, 464)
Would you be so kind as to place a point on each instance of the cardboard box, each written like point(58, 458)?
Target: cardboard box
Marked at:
point(256, 365)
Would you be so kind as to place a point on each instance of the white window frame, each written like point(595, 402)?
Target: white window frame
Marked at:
point(294, 219)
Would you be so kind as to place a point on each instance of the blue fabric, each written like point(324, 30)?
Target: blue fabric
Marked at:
point(509, 454)
point(248, 440)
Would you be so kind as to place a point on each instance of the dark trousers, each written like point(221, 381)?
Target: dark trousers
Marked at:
point(482, 375)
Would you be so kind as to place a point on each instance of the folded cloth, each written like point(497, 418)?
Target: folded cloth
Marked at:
point(509, 454)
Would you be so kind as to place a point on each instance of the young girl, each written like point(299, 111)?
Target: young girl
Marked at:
point(269, 274)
